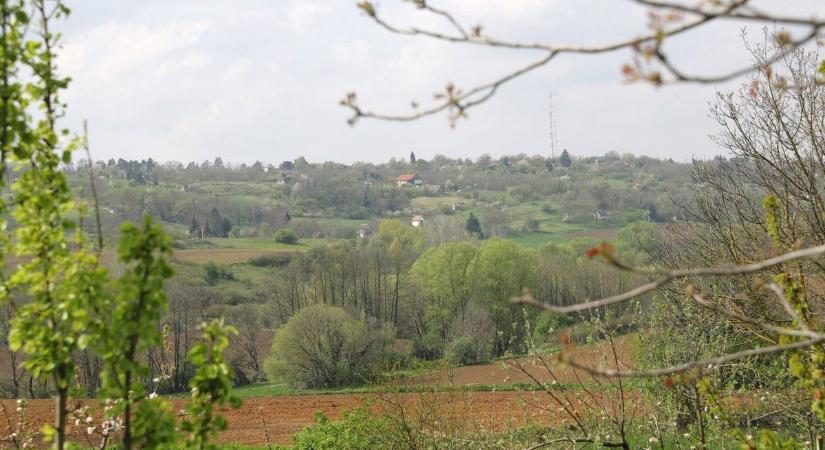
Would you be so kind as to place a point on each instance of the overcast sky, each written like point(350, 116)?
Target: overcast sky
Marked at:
point(260, 80)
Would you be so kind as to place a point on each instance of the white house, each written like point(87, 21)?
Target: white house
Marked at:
point(417, 221)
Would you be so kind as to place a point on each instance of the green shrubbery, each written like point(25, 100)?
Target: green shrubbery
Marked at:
point(213, 273)
point(324, 346)
point(285, 236)
point(462, 351)
point(273, 260)
point(357, 430)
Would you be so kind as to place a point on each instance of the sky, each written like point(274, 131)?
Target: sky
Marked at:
point(249, 80)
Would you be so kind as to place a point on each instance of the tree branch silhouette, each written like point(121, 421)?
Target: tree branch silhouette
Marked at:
point(666, 20)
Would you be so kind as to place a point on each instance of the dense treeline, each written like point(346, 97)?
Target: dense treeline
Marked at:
point(255, 199)
point(448, 297)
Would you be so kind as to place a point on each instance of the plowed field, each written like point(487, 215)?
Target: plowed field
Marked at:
point(274, 420)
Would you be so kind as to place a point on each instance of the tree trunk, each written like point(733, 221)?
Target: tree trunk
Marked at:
point(60, 418)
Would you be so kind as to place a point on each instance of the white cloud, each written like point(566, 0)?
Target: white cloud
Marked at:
point(110, 50)
point(351, 53)
point(195, 60)
point(508, 9)
point(259, 82)
point(236, 70)
point(304, 13)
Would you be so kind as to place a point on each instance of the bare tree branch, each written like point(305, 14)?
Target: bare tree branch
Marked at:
point(457, 102)
point(704, 302)
point(717, 361)
point(667, 276)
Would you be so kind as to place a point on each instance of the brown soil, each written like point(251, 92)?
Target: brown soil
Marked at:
point(198, 255)
point(274, 420)
point(523, 370)
point(604, 235)
point(223, 255)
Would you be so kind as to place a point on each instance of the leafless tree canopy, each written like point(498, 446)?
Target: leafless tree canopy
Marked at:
point(650, 62)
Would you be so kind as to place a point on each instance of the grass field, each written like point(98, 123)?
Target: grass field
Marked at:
point(536, 240)
point(226, 255)
point(241, 250)
point(435, 203)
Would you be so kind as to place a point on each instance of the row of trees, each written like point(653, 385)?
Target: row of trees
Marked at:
point(450, 299)
point(214, 226)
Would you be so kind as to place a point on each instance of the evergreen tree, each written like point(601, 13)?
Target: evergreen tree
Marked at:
point(227, 227)
point(564, 159)
point(473, 225)
point(195, 226)
point(215, 223)
point(412, 157)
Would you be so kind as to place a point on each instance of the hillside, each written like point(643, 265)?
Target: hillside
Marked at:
point(514, 196)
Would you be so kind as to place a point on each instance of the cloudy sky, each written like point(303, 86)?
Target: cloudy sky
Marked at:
point(260, 80)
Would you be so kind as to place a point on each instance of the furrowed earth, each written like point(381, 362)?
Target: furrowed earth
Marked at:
point(275, 419)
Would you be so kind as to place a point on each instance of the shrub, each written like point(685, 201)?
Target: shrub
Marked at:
point(357, 430)
point(273, 260)
point(462, 351)
point(213, 273)
point(323, 346)
point(285, 236)
point(429, 346)
point(547, 323)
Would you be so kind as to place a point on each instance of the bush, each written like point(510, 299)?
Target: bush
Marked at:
point(323, 346)
point(273, 260)
point(472, 335)
point(213, 273)
point(430, 346)
point(462, 352)
point(285, 236)
point(357, 430)
point(547, 324)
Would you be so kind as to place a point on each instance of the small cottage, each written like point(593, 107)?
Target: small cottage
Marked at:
point(417, 221)
point(409, 179)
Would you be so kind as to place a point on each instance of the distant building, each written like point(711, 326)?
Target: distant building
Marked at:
point(407, 179)
point(364, 231)
point(599, 215)
point(417, 221)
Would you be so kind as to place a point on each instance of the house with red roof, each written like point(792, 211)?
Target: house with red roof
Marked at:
point(409, 179)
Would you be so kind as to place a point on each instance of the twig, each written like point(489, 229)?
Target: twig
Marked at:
point(693, 364)
point(95, 203)
point(667, 276)
point(481, 93)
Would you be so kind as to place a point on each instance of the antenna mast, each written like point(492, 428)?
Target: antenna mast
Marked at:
point(554, 139)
